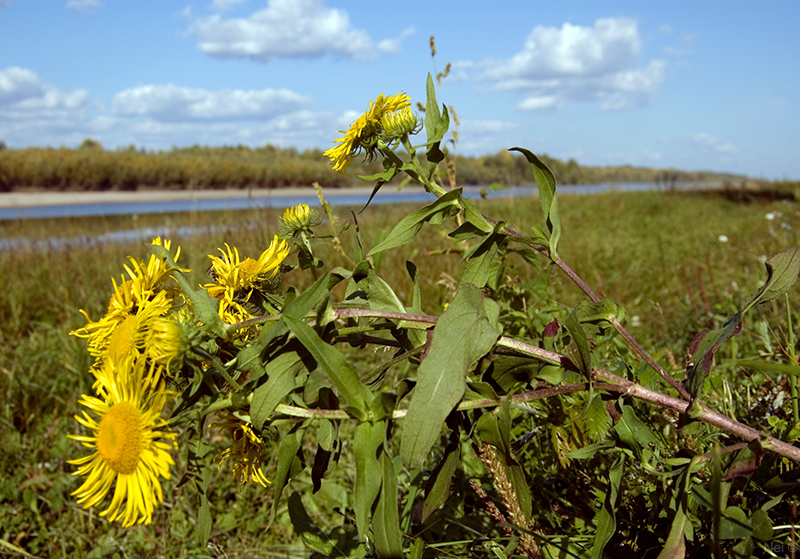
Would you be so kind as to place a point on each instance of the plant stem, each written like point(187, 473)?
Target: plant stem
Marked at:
point(629, 339)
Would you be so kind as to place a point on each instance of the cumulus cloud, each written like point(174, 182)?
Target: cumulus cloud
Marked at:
point(172, 103)
point(712, 143)
point(35, 112)
point(23, 94)
point(288, 29)
point(557, 66)
point(86, 6)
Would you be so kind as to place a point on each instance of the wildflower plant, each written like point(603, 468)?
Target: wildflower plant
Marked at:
point(507, 412)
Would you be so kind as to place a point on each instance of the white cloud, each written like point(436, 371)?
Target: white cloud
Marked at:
point(391, 46)
point(486, 126)
point(577, 63)
point(541, 103)
point(712, 143)
point(34, 112)
point(171, 103)
point(23, 93)
point(86, 6)
point(287, 29)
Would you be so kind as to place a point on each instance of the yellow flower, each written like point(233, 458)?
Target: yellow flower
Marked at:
point(129, 441)
point(142, 295)
point(398, 124)
point(123, 332)
point(365, 131)
point(169, 338)
point(298, 218)
point(242, 276)
point(246, 452)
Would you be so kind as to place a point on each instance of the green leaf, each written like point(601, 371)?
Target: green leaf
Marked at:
point(386, 521)
point(703, 348)
point(768, 366)
point(204, 306)
point(546, 182)
point(440, 480)
point(290, 463)
point(578, 349)
point(633, 431)
point(416, 296)
point(762, 526)
point(407, 228)
point(675, 546)
point(343, 375)
point(782, 272)
point(313, 537)
point(589, 451)
point(599, 311)
point(479, 261)
point(367, 440)
point(436, 123)
point(250, 358)
point(381, 297)
point(596, 419)
point(605, 519)
point(281, 371)
point(733, 524)
point(466, 331)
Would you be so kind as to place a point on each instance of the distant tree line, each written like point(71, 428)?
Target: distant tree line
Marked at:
point(90, 167)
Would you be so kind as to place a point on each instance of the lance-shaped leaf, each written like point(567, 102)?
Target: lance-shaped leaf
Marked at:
point(675, 546)
point(250, 358)
point(578, 349)
point(465, 332)
point(367, 440)
point(782, 272)
point(343, 375)
point(546, 182)
point(386, 520)
point(290, 463)
point(407, 228)
point(281, 369)
point(436, 123)
point(605, 519)
point(479, 261)
point(703, 348)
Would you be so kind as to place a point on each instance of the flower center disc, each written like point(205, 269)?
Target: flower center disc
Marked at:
point(121, 344)
point(248, 270)
point(120, 438)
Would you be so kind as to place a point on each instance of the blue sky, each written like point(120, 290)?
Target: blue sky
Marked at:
point(690, 85)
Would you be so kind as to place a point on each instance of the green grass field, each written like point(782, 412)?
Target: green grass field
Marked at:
point(677, 263)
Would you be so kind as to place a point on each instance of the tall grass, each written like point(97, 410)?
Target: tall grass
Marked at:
point(93, 168)
point(659, 255)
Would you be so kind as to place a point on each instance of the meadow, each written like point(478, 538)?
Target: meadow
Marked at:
point(678, 263)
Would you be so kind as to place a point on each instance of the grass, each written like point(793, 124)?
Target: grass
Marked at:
point(659, 255)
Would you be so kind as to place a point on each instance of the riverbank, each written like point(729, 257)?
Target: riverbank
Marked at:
point(36, 198)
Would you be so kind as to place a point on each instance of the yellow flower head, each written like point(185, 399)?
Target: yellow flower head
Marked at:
point(142, 295)
point(365, 131)
point(246, 452)
point(169, 338)
point(129, 441)
point(397, 124)
point(231, 273)
point(298, 218)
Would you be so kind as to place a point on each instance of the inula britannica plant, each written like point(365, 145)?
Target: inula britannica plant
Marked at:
point(504, 424)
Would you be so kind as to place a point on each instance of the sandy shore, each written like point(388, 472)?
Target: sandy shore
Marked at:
point(33, 198)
